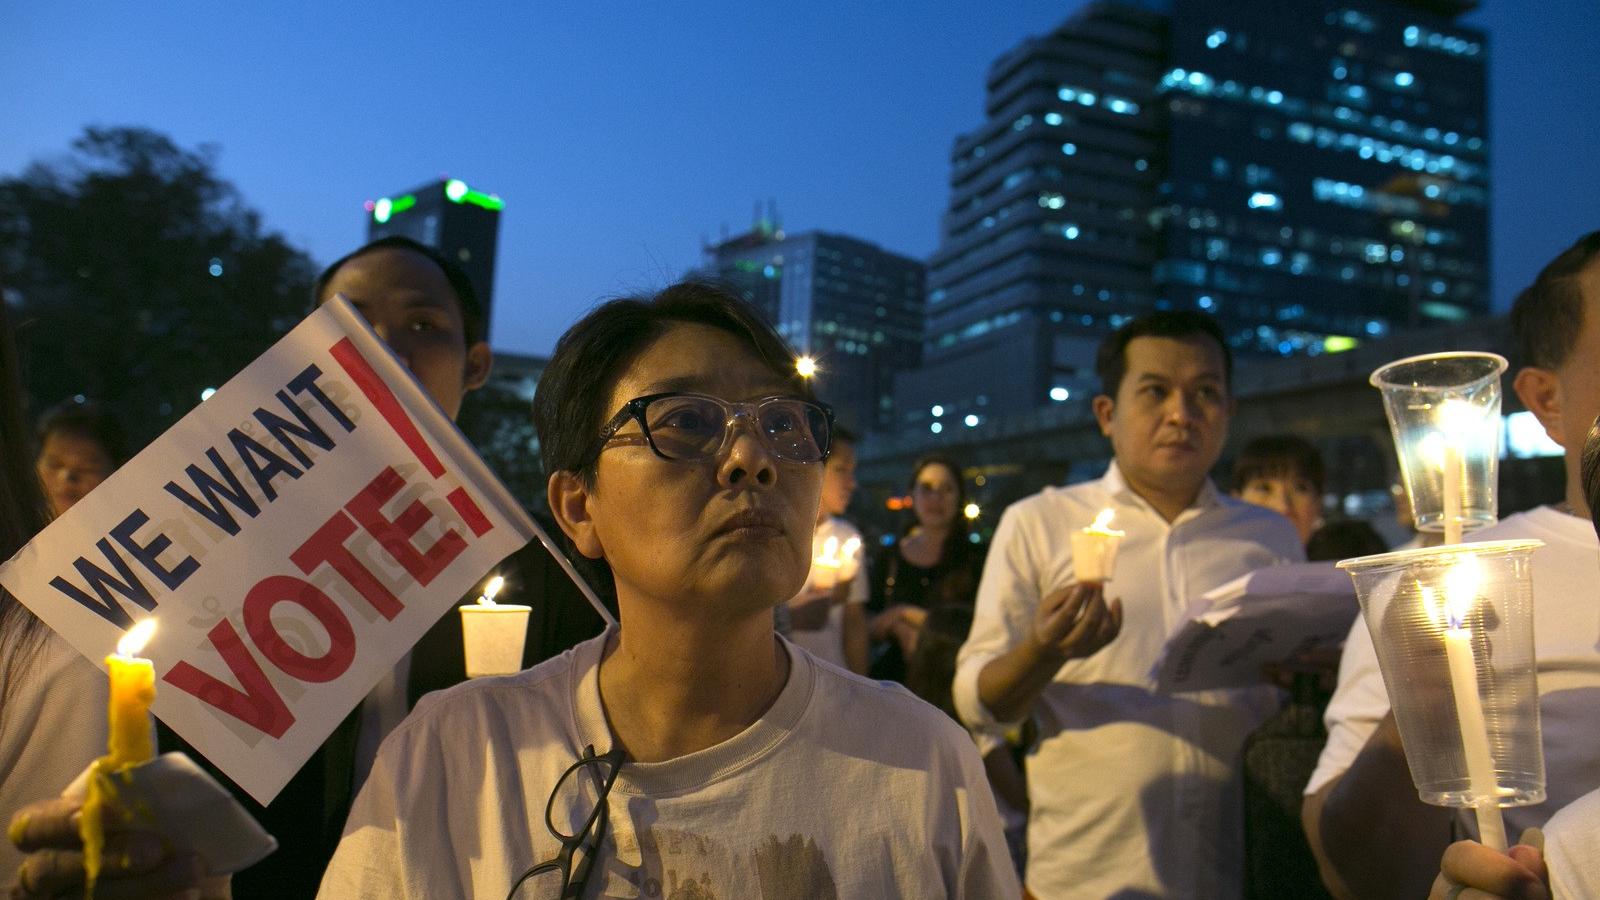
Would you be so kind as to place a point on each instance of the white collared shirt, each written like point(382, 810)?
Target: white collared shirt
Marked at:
point(1130, 790)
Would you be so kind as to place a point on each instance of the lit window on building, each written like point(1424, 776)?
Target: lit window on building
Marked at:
point(1265, 200)
point(1216, 38)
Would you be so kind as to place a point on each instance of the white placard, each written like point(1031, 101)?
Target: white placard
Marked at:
point(294, 535)
point(1268, 616)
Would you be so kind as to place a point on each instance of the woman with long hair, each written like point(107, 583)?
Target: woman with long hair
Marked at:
point(934, 563)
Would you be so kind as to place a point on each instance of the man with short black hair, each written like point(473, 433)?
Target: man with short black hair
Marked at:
point(1132, 792)
point(1372, 835)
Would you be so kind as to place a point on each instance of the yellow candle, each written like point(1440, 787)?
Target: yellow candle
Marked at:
point(133, 689)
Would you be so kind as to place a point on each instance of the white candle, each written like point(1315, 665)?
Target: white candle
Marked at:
point(1452, 493)
point(1094, 549)
point(1461, 587)
point(493, 634)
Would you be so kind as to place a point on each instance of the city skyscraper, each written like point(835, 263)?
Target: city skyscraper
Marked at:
point(1312, 172)
point(1327, 172)
point(853, 306)
point(1046, 242)
point(453, 218)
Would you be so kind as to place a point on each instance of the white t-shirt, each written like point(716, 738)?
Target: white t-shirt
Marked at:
point(844, 788)
point(828, 641)
point(52, 726)
point(1571, 839)
point(1566, 631)
point(1133, 792)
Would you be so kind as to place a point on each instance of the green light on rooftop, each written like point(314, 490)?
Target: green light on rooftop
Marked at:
point(456, 191)
point(487, 201)
point(387, 208)
point(1338, 343)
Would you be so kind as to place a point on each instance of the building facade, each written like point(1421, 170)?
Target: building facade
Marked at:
point(453, 218)
point(1327, 170)
point(1312, 172)
point(854, 307)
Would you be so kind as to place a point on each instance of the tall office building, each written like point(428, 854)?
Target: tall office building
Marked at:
point(1312, 172)
point(853, 306)
point(458, 221)
point(1327, 169)
point(1046, 242)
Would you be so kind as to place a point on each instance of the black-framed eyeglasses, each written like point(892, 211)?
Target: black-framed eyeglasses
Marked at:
point(579, 797)
point(690, 427)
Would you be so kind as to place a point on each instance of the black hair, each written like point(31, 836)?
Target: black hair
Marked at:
point(22, 513)
point(1276, 456)
point(842, 435)
point(570, 405)
point(1111, 360)
point(1548, 315)
point(1344, 539)
point(89, 420)
point(466, 296)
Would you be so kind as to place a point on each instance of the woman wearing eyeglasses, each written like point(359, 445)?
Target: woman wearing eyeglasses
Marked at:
point(691, 752)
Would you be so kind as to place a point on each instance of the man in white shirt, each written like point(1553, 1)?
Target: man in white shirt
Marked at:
point(1372, 835)
point(1133, 793)
point(828, 617)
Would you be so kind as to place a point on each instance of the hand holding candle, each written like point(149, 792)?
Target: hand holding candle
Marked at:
point(493, 633)
point(1094, 549)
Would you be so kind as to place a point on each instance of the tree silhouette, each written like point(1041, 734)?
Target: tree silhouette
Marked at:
point(140, 277)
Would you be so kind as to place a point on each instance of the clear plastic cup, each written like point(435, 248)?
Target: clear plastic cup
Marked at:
point(492, 636)
point(1444, 411)
point(1453, 627)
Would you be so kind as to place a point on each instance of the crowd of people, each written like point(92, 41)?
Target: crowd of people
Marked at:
point(791, 710)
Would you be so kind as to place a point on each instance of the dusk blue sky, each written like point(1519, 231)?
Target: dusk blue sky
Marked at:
point(621, 135)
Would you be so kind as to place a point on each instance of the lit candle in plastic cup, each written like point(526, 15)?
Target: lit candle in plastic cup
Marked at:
point(1453, 630)
point(1444, 412)
point(1094, 549)
point(492, 634)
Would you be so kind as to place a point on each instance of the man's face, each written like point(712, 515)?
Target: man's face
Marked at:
point(1169, 419)
point(839, 479)
point(70, 466)
point(1579, 377)
point(412, 307)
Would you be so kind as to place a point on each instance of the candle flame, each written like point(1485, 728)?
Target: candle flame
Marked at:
point(1462, 586)
point(1457, 421)
point(1102, 524)
point(136, 637)
point(851, 548)
point(489, 590)
point(829, 558)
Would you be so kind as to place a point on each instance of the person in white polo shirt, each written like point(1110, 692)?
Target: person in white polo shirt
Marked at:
point(1132, 793)
point(1373, 837)
point(829, 615)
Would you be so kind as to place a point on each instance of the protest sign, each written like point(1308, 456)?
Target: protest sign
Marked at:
point(293, 535)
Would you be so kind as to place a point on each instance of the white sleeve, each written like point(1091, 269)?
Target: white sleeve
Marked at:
point(986, 868)
point(1359, 703)
point(861, 584)
point(1008, 597)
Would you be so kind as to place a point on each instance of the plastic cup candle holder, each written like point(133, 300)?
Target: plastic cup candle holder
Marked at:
point(1453, 630)
point(1444, 412)
point(1094, 549)
point(493, 634)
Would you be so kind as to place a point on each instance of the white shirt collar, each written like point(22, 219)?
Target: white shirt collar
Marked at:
point(1114, 484)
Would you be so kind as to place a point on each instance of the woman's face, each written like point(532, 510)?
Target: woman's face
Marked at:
point(934, 495)
point(1293, 495)
point(70, 466)
point(730, 535)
